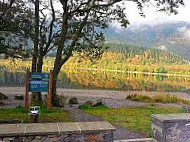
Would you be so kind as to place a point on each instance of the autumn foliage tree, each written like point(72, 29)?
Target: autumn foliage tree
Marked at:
point(82, 19)
point(77, 27)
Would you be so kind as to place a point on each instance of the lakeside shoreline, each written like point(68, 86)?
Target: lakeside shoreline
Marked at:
point(113, 94)
point(128, 72)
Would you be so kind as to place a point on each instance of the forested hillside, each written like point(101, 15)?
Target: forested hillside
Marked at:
point(145, 55)
point(132, 58)
point(119, 57)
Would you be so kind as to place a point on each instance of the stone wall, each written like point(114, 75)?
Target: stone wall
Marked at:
point(165, 128)
point(171, 127)
point(58, 132)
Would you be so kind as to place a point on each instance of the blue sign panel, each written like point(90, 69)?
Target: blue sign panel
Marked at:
point(38, 82)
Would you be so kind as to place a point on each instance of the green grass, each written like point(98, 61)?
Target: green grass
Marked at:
point(87, 107)
point(158, 98)
point(137, 119)
point(18, 113)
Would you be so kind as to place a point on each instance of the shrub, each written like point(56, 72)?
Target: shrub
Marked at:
point(3, 96)
point(59, 101)
point(139, 98)
point(161, 70)
point(158, 98)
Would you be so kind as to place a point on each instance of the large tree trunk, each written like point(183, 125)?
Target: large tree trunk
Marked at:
point(59, 61)
point(55, 73)
point(54, 89)
point(38, 96)
point(36, 40)
point(57, 68)
point(34, 61)
point(40, 64)
point(35, 98)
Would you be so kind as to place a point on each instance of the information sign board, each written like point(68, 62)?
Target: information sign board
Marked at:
point(39, 82)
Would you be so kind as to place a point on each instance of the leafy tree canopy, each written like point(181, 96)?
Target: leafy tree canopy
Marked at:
point(15, 28)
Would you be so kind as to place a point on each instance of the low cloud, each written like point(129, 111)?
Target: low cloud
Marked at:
point(185, 30)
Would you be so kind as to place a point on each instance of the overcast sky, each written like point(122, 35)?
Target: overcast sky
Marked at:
point(152, 14)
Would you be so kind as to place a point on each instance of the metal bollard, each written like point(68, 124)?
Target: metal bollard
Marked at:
point(34, 118)
point(34, 114)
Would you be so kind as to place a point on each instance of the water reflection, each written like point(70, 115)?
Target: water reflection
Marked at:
point(85, 79)
point(124, 81)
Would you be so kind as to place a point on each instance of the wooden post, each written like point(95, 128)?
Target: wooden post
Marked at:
point(49, 99)
point(27, 90)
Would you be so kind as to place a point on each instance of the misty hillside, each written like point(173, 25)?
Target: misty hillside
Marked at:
point(170, 36)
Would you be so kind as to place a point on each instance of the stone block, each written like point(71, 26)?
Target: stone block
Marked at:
point(41, 129)
point(12, 130)
point(95, 126)
point(69, 127)
point(171, 127)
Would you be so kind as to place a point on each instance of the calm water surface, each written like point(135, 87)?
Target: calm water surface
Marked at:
point(85, 79)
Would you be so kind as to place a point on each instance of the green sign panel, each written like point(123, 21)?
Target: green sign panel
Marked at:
point(39, 82)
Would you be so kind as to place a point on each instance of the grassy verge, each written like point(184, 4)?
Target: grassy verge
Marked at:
point(18, 113)
point(137, 119)
point(158, 98)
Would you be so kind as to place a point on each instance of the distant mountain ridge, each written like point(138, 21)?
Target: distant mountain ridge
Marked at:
point(171, 36)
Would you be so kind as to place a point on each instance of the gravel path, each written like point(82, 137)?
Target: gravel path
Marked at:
point(113, 99)
point(90, 93)
point(120, 133)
